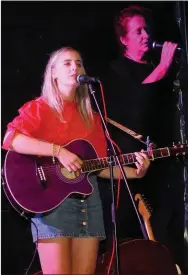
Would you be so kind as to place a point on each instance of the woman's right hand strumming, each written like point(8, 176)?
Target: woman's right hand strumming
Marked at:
point(69, 160)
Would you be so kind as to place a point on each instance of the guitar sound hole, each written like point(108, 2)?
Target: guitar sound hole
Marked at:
point(70, 175)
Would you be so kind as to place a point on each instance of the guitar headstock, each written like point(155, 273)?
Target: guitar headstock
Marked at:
point(143, 207)
point(179, 149)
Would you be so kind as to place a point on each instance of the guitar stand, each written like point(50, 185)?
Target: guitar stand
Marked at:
point(113, 158)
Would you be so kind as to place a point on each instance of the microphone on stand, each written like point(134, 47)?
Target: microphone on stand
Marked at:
point(158, 45)
point(85, 79)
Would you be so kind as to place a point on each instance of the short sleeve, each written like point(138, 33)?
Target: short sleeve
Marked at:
point(27, 122)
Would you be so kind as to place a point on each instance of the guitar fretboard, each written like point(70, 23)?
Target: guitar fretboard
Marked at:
point(102, 163)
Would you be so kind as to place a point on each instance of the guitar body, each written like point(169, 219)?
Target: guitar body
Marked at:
point(24, 187)
point(139, 257)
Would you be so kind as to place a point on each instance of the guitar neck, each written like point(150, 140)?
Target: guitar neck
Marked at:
point(102, 163)
point(149, 230)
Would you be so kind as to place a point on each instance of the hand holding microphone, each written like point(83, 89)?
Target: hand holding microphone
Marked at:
point(167, 54)
point(158, 45)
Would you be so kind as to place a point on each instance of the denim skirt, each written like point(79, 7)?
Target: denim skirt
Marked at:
point(77, 217)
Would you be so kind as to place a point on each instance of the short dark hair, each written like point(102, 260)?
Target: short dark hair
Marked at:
point(127, 13)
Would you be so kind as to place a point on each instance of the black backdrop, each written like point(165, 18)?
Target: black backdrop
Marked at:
point(30, 32)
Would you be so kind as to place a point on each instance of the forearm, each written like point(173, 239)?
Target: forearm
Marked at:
point(158, 73)
point(31, 146)
point(131, 173)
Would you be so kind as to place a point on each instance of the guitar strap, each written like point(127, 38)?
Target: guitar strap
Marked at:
point(126, 130)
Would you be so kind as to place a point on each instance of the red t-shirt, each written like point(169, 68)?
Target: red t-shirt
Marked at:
point(38, 120)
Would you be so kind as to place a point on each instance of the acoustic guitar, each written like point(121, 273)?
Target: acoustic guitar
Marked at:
point(139, 256)
point(38, 185)
point(146, 212)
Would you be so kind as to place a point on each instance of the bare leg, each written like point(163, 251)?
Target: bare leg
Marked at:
point(55, 255)
point(84, 255)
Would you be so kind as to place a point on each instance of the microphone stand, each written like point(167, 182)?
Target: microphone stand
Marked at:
point(113, 159)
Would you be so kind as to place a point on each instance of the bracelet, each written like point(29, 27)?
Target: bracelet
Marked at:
point(54, 152)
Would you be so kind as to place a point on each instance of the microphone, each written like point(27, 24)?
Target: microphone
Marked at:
point(157, 45)
point(85, 79)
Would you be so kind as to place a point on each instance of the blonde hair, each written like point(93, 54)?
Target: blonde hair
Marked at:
point(53, 98)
